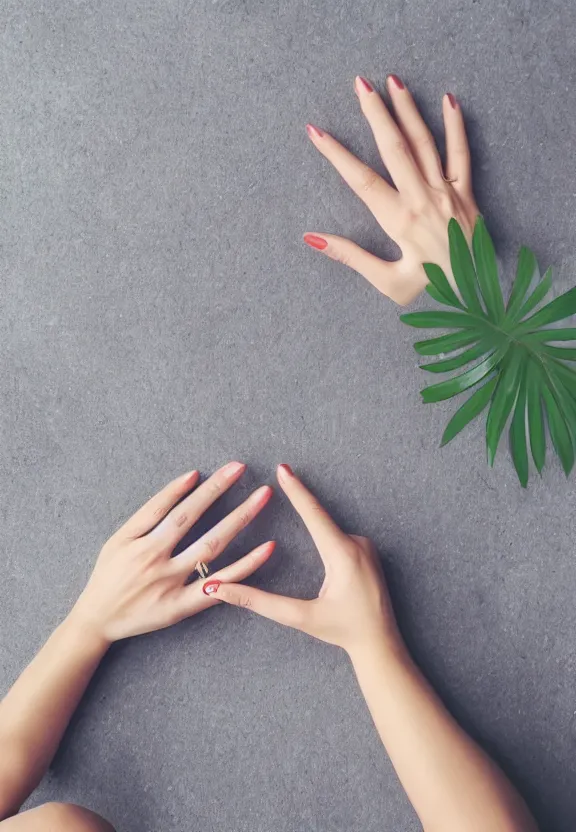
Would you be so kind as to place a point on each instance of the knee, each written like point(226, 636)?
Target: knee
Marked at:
point(56, 817)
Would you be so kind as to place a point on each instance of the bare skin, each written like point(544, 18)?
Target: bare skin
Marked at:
point(137, 587)
point(415, 211)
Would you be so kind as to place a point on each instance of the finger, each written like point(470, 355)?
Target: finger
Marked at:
point(181, 519)
point(210, 545)
point(157, 507)
point(387, 277)
point(372, 189)
point(193, 599)
point(392, 144)
point(292, 612)
point(328, 537)
point(413, 126)
point(458, 166)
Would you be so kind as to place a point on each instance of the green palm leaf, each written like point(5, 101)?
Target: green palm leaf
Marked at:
point(505, 350)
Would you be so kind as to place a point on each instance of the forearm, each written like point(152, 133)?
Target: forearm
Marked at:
point(38, 708)
point(452, 784)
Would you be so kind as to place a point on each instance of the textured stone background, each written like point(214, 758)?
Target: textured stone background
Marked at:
point(159, 311)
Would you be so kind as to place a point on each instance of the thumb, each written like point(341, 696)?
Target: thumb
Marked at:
point(386, 276)
point(292, 612)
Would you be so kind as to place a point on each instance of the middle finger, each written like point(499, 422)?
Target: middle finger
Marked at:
point(392, 144)
point(181, 519)
point(210, 545)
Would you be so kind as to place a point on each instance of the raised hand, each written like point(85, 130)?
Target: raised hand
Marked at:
point(352, 610)
point(416, 211)
point(137, 586)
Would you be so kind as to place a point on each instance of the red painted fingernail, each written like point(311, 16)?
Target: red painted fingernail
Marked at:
point(315, 241)
point(210, 587)
point(364, 84)
point(314, 132)
point(285, 469)
point(452, 100)
point(397, 82)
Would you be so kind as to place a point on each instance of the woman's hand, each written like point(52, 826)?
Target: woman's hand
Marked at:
point(415, 214)
point(137, 586)
point(352, 610)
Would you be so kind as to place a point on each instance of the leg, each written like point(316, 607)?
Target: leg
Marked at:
point(56, 817)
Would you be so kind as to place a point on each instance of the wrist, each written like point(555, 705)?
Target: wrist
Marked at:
point(87, 628)
point(384, 651)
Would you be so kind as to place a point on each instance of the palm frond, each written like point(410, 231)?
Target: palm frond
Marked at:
point(507, 351)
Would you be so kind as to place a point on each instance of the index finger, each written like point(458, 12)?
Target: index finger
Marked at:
point(325, 533)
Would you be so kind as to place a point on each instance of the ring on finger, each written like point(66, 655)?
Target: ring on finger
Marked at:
point(202, 569)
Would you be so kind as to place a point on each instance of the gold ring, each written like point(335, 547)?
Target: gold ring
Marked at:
point(202, 569)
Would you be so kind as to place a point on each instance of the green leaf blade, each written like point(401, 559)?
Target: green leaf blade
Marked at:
point(561, 307)
point(471, 408)
point(449, 364)
point(440, 286)
point(526, 268)
point(463, 268)
point(517, 436)
point(451, 387)
point(535, 417)
point(559, 432)
point(537, 295)
point(487, 270)
point(447, 343)
point(502, 403)
point(439, 320)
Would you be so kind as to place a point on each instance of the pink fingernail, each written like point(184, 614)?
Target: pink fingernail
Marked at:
point(315, 241)
point(211, 587)
point(363, 84)
point(285, 470)
point(452, 100)
point(314, 132)
point(233, 468)
point(397, 82)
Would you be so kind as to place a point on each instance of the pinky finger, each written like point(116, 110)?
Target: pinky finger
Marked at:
point(387, 277)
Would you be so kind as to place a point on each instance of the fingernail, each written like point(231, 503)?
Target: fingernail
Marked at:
point(190, 475)
point(315, 241)
point(285, 470)
point(396, 81)
point(363, 84)
point(233, 468)
point(265, 492)
point(314, 132)
point(452, 100)
point(210, 587)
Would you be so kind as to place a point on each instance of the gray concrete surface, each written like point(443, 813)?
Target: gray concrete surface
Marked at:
point(160, 312)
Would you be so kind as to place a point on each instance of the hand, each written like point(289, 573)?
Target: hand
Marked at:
point(137, 587)
point(416, 213)
point(353, 608)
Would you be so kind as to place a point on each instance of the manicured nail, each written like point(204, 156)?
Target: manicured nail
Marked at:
point(210, 587)
point(452, 100)
point(190, 475)
point(285, 470)
point(315, 241)
point(396, 81)
point(233, 468)
point(263, 493)
point(314, 132)
point(363, 84)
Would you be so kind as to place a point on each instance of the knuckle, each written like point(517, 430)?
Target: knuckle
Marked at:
point(180, 520)
point(316, 508)
point(215, 488)
point(246, 602)
point(423, 141)
point(343, 257)
point(368, 181)
point(211, 545)
point(400, 147)
point(244, 519)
